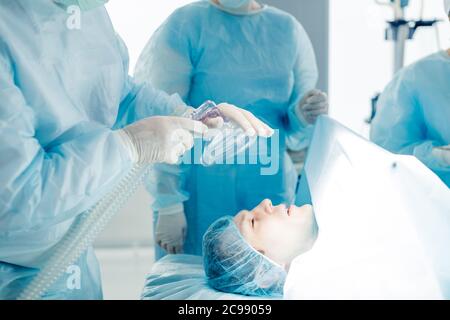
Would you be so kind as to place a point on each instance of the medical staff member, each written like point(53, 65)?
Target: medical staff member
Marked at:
point(72, 123)
point(245, 53)
point(413, 114)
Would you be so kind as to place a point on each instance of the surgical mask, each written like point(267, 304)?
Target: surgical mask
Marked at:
point(234, 4)
point(84, 5)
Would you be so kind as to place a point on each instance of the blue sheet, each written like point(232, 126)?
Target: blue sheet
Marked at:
point(181, 277)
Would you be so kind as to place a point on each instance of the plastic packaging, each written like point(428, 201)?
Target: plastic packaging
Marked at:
point(224, 143)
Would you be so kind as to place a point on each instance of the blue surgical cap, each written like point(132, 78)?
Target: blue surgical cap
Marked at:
point(233, 266)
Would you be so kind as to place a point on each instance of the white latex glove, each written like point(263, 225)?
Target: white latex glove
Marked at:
point(246, 120)
point(313, 104)
point(442, 154)
point(161, 139)
point(171, 229)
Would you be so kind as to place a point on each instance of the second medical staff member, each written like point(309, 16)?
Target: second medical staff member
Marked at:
point(413, 114)
point(72, 123)
point(241, 52)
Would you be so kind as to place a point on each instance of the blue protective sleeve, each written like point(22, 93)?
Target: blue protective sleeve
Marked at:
point(306, 75)
point(46, 184)
point(165, 183)
point(141, 99)
point(400, 125)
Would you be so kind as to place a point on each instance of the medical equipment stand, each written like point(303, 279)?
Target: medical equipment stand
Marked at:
point(399, 31)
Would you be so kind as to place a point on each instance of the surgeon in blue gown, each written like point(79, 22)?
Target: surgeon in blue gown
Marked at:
point(244, 53)
point(413, 115)
point(72, 123)
point(62, 92)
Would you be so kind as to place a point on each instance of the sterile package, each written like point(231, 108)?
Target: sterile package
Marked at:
point(384, 223)
point(221, 143)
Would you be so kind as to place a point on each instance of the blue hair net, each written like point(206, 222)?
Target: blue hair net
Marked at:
point(233, 266)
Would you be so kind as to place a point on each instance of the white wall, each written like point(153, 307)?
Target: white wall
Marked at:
point(360, 58)
point(136, 20)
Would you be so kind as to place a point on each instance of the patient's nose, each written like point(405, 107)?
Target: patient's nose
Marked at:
point(267, 205)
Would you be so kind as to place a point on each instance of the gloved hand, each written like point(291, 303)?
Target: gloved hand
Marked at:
point(171, 229)
point(442, 154)
point(313, 104)
point(246, 120)
point(161, 139)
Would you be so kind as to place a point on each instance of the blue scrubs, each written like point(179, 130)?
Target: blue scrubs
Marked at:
point(62, 94)
point(413, 113)
point(262, 61)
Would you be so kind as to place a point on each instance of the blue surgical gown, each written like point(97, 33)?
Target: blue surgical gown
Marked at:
point(62, 94)
point(263, 62)
point(413, 113)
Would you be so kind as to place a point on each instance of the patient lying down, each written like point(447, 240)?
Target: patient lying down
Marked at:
point(251, 253)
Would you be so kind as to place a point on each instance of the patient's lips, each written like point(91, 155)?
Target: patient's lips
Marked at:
point(291, 210)
point(282, 208)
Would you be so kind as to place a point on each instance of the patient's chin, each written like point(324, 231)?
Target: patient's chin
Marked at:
point(307, 209)
point(306, 246)
point(309, 246)
point(287, 266)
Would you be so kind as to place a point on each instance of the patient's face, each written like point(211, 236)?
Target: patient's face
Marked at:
point(281, 233)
